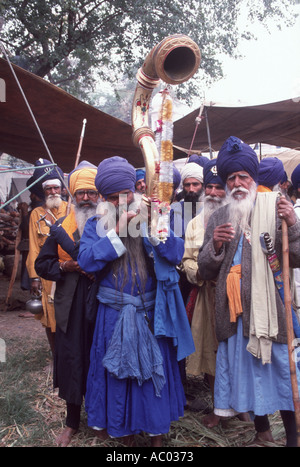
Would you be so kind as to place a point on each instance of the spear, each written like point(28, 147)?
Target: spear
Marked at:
point(78, 157)
point(289, 323)
point(283, 286)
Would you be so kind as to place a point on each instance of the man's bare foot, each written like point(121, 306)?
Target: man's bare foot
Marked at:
point(244, 417)
point(101, 434)
point(128, 440)
point(211, 420)
point(264, 436)
point(65, 437)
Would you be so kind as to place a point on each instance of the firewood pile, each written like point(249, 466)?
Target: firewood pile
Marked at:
point(9, 225)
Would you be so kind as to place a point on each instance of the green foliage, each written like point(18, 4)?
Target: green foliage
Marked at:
point(72, 43)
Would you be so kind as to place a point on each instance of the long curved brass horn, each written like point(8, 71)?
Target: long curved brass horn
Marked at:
point(174, 60)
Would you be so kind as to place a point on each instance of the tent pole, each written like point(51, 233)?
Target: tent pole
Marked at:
point(33, 117)
point(208, 132)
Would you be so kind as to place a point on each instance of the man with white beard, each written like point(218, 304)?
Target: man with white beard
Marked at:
point(252, 366)
point(141, 328)
point(57, 261)
point(53, 208)
point(202, 296)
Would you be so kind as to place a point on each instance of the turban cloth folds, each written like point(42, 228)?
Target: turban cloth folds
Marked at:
point(295, 177)
point(236, 156)
point(140, 174)
point(51, 172)
point(210, 173)
point(192, 170)
point(270, 171)
point(113, 175)
point(82, 177)
point(200, 160)
point(176, 177)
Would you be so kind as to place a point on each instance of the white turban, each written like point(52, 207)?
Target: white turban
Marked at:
point(52, 181)
point(192, 170)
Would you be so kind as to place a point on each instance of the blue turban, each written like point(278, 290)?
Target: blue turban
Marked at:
point(140, 174)
point(176, 177)
point(37, 188)
point(51, 172)
point(296, 177)
point(270, 171)
point(210, 173)
point(200, 160)
point(284, 178)
point(236, 156)
point(113, 175)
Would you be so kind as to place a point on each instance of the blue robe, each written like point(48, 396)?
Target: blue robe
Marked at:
point(125, 406)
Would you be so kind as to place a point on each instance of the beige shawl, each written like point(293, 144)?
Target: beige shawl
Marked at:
point(263, 317)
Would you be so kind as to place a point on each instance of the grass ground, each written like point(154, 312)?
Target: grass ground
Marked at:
point(31, 413)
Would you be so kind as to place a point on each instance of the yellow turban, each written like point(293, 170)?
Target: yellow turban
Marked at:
point(83, 177)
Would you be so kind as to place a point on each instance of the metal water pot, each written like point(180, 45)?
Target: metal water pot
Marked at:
point(34, 305)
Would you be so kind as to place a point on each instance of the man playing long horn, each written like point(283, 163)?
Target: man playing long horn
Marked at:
point(141, 330)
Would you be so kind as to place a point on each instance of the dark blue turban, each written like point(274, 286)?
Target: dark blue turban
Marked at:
point(36, 189)
point(200, 160)
point(113, 175)
point(176, 177)
point(210, 173)
point(284, 178)
point(140, 174)
point(296, 177)
point(236, 156)
point(270, 171)
point(51, 172)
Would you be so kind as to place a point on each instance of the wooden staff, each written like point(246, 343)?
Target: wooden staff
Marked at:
point(16, 264)
point(289, 326)
point(77, 157)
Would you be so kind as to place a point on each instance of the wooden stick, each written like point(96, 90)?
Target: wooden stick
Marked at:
point(16, 264)
point(289, 326)
point(77, 157)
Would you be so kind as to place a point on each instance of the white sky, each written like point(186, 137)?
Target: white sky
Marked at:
point(269, 71)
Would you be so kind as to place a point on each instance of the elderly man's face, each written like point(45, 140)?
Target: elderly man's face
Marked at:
point(214, 190)
point(86, 197)
point(52, 190)
point(121, 197)
point(239, 184)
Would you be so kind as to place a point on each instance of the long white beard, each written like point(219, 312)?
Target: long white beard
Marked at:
point(53, 201)
point(211, 204)
point(240, 209)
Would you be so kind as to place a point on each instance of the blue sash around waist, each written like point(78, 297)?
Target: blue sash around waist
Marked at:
point(133, 351)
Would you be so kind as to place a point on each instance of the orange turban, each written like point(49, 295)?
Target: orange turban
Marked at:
point(83, 177)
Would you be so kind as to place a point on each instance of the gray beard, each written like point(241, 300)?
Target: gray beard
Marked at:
point(240, 210)
point(53, 201)
point(135, 258)
point(82, 214)
point(211, 204)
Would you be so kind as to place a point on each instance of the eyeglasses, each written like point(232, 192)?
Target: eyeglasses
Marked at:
point(90, 193)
